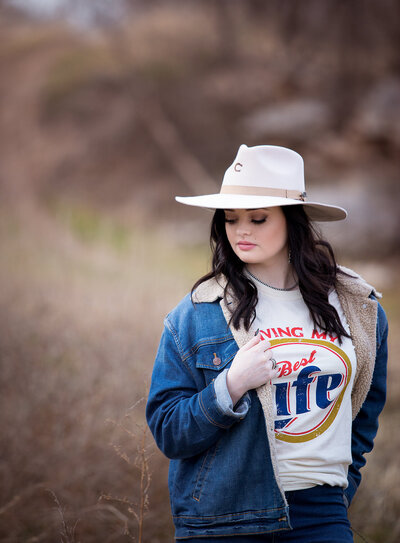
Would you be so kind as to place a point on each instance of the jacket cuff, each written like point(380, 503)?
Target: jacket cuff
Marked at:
point(224, 400)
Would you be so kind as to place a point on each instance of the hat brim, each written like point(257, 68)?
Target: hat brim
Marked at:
point(316, 211)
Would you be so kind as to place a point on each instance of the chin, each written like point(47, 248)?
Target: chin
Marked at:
point(249, 260)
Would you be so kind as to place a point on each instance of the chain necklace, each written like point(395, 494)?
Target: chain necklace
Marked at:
point(270, 286)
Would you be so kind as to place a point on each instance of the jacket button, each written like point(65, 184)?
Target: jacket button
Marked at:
point(216, 360)
point(364, 306)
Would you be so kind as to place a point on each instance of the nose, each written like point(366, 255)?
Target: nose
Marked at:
point(243, 228)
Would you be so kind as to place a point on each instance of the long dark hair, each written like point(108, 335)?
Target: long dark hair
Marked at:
point(312, 258)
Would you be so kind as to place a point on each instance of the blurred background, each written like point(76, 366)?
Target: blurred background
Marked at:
point(108, 109)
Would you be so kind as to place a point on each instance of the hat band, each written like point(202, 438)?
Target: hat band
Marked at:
point(263, 191)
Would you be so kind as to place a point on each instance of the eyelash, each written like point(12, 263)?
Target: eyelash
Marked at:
point(254, 221)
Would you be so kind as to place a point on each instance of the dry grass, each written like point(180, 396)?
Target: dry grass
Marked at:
point(81, 318)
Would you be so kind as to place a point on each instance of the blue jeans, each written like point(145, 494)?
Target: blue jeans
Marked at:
point(317, 515)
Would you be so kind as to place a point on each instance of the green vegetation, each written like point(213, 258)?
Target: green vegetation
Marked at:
point(91, 226)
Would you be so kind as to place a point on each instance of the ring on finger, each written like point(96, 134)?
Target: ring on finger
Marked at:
point(274, 364)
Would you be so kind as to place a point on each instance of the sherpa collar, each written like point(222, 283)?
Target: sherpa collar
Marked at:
point(213, 289)
point(353, 283)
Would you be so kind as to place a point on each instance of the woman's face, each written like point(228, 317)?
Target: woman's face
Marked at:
point(257, 236)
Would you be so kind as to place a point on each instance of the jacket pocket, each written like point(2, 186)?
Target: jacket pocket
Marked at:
point(204, 471)
point(213, 358)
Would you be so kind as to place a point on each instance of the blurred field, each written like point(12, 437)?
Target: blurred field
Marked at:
point(81, 315)
point(99, 129)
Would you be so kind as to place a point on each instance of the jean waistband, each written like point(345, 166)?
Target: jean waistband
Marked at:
point(314, 493)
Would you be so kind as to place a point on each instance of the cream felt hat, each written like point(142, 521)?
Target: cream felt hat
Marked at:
point(265, 176)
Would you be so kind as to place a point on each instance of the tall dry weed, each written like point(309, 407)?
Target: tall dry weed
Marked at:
point(139, 466)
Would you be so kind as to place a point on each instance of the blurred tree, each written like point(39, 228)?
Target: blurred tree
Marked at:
point(355, 41)
point(225, 17)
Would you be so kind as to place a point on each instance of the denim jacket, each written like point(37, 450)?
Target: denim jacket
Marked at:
point(223, 478)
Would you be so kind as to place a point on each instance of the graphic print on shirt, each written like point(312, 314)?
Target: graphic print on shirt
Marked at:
point(313, 376)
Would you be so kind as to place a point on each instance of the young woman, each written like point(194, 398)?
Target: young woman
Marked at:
point(270, 376)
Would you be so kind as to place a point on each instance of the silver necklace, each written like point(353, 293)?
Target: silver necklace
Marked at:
point(270, 286)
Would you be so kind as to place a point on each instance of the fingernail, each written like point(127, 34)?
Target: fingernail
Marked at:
point(256, 332)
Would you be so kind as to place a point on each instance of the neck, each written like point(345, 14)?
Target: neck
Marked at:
point(282, 277)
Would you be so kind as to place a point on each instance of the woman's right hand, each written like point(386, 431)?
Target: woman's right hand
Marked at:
point(251, 368)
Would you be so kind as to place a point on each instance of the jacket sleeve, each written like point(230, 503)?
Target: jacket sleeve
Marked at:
point(183, 420)
point(365, 425)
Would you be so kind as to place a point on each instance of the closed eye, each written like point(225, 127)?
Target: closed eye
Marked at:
point(258, 221)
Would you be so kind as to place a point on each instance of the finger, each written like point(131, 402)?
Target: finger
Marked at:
point(275, 375)
point(268, 354)
point(254, 341)
point(273, 370)
point(263, 345)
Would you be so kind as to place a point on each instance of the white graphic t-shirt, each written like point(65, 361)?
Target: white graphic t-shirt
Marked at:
point(312, 392)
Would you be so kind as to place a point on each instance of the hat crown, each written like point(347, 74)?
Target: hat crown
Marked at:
point(265, 176)
point(267, 166)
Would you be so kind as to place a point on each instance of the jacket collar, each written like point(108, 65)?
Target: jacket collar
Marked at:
point(213, 289)
point(353, 283)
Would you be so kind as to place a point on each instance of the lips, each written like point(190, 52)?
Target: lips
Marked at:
point(245, 245)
